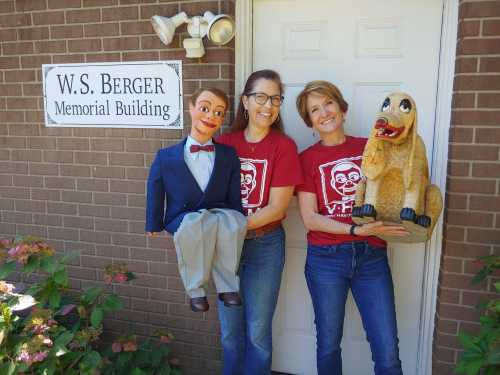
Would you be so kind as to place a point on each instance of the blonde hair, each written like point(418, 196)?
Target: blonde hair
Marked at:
point(324, 88)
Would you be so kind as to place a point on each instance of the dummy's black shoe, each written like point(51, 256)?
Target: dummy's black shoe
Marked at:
point(199, 304)
point(230, 299)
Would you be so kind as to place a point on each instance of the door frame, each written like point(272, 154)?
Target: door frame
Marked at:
point(439, 161)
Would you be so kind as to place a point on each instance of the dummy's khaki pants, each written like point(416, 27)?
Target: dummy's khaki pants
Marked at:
point(210, 241)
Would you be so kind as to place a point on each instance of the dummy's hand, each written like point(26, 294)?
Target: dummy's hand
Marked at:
point(378, 228)
point(152, 234)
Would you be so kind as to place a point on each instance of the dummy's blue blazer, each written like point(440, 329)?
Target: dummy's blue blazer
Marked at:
point(172, 190)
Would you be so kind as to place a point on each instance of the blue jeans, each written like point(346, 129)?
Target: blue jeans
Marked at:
point(330, 272)
point(246, 331)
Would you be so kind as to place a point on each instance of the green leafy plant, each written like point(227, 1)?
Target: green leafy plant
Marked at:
point(481, 353)
point(127, 357)
point(60, 334)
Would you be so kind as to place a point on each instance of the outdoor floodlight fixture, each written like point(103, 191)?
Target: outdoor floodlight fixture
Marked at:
point(219, 29)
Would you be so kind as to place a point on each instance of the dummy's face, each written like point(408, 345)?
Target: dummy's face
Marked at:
point(207, 115)
point(324, 113)
point(263, 113)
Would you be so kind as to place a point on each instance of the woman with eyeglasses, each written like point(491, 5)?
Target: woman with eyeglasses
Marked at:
point(270, 169)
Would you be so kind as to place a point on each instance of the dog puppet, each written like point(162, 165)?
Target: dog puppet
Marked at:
point(396, 188)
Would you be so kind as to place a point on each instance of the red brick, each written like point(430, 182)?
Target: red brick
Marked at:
point(127, 212)
point(120, 13)
point(93, 3)
point(43, 169)
point(222, 55)
point(90, 210)
point(78, 222)
point(136, 200)
point(458, 168)
point(486, 170)
point(64, 3)
point(48, 18)
point(97, 237)
point(490, 236)
point(470, 219)
point(482, 152)
point(101, 29)
point(489, 100)
point(485, 135)
point(7, 6)
point(14, 192)
point(136, 28)
point(33, 33)
point(454, 233)
point(200, 71)
point(137, 173)
point(126, 159)
point(68, 59)
point(147, 11)
point(17, 217)
point(73, 144)
point(17, 48)
point(10, 89)
point(66, 32)
point(30, 205)
point(489, 64)
point(467, 250)
point(482, 9)
point(102, 57)
point(15, 20)
point(461, 100)
point(26, 155)
point(459, 313)
point(92, 184)
point(31, 230)
point(9, 62)
point(53, 156)
point(61, 208)
point(35, 61)
point(46, 194)
point(76, 196)
point(127, 186)
point(27, 5)
point(456, 201)
point(141, 56)
point(152, 42)
point(491, 27)
point(75, 170)
point(474, 298)
point(84, 45)
point(121, 44)
point(59, 182)
point(22, 103)
point(49, 220)
point(8, 34)
point(20, 76)
point(129, 239)
point(477, 82)
point(109, 225)
point(53, 46)
point(110, 199)
point(485, 203)
point(477, 46)
point(464, 64)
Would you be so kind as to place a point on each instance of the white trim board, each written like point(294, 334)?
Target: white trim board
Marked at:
point(243, 68)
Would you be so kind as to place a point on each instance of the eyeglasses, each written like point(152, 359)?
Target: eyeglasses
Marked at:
point(262, 98)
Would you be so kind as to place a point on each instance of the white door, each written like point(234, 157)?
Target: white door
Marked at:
point(368, 48)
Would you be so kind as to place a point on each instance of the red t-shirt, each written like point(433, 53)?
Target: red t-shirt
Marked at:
point(333, 173)
point(272, 162)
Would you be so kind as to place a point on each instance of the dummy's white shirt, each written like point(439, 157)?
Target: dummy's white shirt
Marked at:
point(201, 163)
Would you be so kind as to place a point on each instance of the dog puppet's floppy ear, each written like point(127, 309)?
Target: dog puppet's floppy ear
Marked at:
point(373, 161)
point(411, 156)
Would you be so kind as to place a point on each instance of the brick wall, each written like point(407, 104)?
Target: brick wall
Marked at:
point(83, 189)
point(472, 214)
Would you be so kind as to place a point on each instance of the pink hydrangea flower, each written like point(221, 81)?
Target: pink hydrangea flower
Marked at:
point(129, 346)
point(116, 347)
point(120, 278)
point(40, 356)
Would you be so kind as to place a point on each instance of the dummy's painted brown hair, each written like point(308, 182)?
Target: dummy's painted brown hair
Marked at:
point(217, 92)
point(324, 88)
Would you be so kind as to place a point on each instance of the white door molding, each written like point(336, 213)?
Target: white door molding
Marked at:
point(244, 67)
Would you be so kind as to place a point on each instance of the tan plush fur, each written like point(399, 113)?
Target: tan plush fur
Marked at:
point(396, 170)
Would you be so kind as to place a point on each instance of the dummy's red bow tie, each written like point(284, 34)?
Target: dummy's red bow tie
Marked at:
point(196, 148)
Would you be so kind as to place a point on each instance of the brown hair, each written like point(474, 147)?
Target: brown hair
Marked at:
point(324, 88)
point(240, 122)
point(217, 92)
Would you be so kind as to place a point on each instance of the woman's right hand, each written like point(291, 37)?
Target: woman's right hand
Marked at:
point(378, 228)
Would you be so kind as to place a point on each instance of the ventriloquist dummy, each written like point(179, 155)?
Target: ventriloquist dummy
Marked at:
point(194, 193)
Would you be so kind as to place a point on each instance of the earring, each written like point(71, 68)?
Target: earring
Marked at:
point(245, 114)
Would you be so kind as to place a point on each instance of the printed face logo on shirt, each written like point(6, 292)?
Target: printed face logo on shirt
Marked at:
point(339, 180)
point(253, 177)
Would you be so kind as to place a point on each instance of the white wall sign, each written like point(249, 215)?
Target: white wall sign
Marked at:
point(145, 94)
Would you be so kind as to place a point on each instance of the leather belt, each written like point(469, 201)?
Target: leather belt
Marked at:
point(259, 232)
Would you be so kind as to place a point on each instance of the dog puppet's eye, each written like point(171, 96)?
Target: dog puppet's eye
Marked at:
point(386, 104)
point(405, 106)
